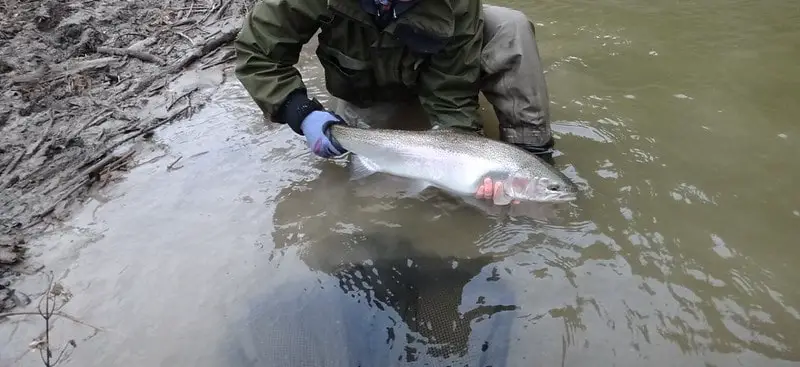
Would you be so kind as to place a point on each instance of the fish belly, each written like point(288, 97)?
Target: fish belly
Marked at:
point(445, 171)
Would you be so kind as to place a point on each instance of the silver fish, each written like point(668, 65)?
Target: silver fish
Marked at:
point(454, 161)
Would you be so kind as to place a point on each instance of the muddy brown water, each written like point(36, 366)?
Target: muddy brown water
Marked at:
point(677, 119)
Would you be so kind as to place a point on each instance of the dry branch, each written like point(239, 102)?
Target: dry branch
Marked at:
point(201, 50)
point(171, 165)
point(182, 22)
point(156, 123)
point(186, 94)
point(13, 165)
point(58, 71)
point(95, 121)
point(209, 45)
point(141, 55)
point(139, 45)
point(47, 308)
point(95, 165)
point(91, 167)
point(221, 10)
point(35, 148)
point(81, 182)
point(56, 313)
point(98, 167)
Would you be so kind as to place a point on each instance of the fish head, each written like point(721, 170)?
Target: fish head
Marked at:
point(526, 185)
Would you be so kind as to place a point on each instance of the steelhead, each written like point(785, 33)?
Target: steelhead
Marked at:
point(454, 161)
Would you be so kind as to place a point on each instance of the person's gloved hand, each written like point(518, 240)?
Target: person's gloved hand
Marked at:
point(315, 129)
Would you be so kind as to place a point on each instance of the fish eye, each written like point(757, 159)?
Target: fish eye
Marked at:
point(553, 187)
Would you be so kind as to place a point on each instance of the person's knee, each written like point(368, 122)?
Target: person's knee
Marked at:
point(516, 18)
point(508, 37)
point(510, 20)
point(502, 23)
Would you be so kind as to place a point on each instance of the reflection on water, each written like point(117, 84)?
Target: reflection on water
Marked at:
point(407, 295)
point(404, 307)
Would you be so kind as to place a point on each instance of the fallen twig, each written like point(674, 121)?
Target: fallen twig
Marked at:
point(144, 36)
point(50, 309)
point(202, 49)
point(94, 170)
point(139, 45)
point(169, 168)
point(210, 13)
point(103, 159)
point(95, 121)
point(221, 10)
point(191, 41)
point(206, 47)
point(182, 22)
point(157, 122)
point(11, 167)
point(58, 71)
point(190, 91)
point(198, 154)
point(35, 148)
point(113, 166)
point(56, 313)
point(141, 55)
point(230, 56)
point(191, 8)
point(81, 182)
point(99, 119)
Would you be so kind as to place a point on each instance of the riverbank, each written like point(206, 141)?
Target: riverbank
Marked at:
point(85, 84)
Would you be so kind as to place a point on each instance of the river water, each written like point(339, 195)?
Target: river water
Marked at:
point(677, 119)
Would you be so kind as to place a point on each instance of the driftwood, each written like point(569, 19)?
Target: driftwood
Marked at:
point(58, 71)
point(141, 55)
point(185, 94)
point(140, 45)
point(147, 128)
point(202, 49)
point(95, 169)
point(35, 148)
point(95, 121)
point(92, 167)
point(10, 168)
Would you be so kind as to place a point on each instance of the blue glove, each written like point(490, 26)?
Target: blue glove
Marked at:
point(315, 129)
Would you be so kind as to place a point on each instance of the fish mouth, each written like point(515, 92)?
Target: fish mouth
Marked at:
point(551, 196)
point(563, 197)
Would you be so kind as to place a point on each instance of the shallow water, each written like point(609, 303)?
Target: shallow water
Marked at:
point(677, 119)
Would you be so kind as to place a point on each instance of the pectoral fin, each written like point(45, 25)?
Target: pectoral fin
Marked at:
point(500, 197)
point(361, 167)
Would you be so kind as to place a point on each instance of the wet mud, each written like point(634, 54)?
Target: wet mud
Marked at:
point(84, 84)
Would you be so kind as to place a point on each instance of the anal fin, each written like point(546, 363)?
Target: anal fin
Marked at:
point(415, 187)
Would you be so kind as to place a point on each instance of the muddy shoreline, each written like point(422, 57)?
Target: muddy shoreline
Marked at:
point(83, 82)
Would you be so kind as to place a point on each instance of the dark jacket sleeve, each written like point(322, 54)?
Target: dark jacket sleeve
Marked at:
point(449, 84)
point(267, 49)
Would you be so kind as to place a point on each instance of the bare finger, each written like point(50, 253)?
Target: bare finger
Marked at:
point(481, 192)
point(487, 188)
